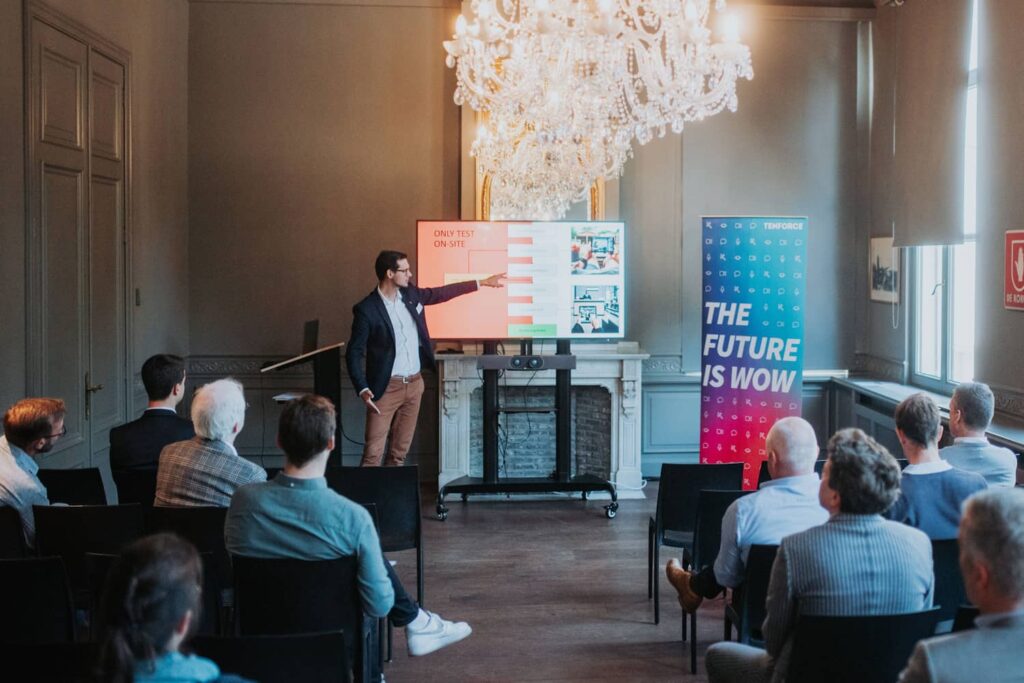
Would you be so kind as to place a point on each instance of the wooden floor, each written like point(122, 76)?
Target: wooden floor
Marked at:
point(554, 591)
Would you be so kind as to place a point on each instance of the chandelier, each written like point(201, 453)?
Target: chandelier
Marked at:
point(568, 85)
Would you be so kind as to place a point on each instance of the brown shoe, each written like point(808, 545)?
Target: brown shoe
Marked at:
point(680, 580)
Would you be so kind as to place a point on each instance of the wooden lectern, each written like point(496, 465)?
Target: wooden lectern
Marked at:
point(326, 382)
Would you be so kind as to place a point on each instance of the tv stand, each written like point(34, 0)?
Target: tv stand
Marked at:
point(561, 482)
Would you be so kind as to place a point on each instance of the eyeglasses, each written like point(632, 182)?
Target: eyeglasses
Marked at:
point(61, 433)
point(407, 271)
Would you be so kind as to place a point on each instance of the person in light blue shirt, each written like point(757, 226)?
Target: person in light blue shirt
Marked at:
point(149, 609)
point(970, 414)
point(31, 428)
point(296, 516)
point(785, 505)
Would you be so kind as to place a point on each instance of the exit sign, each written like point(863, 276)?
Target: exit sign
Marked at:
point(1013, 284)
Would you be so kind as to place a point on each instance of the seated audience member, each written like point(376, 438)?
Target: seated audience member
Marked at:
point(970, 414)
point(992, 562)
point(206, 470)
point(137, 445)
point(31, 428)
point(785, 505)
point(296, 516)
point(931, 490)
point(855, 564)
point(149, 608)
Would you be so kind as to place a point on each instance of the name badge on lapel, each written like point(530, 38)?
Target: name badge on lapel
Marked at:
point(419, 308)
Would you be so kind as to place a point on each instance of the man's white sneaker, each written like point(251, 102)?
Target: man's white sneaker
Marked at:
point(436, 634)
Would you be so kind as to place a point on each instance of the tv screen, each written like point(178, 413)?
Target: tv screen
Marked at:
point(566, 279)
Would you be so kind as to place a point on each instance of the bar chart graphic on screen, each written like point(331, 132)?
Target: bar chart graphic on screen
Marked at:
point(564, 279)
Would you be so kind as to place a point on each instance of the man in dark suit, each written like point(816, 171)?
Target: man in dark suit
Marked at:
point(137, 445)
point(389, 346)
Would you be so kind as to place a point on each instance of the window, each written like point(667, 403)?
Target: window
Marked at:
point(942, 309)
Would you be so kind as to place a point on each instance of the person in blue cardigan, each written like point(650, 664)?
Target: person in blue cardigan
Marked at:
point(932, 491)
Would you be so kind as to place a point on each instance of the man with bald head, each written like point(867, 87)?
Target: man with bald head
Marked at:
point(785, 505)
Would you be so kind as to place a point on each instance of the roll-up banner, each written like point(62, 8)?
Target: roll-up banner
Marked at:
point(752, 334)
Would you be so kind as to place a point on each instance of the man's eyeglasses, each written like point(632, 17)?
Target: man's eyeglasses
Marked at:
point(407, 271)
point(62, 432)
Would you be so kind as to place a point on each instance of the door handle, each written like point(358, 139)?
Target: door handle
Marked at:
point(90, 389)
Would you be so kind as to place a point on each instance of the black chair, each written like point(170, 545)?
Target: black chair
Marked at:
point(747, 610)
point(675, 517)
point(707, 538)
point(964, 619)
point(949, 593)
point(36, 599)
point(396, 493)
point(72, 531)
point(135, 486)
point(762, 474)
point(82, 486)
point(203, 527)
point(282, 597)
point(307, 657)
point(856, 649)
point(58, 662)
point(12, 538)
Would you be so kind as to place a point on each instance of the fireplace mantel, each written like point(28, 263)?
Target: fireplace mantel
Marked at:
point(619, 373)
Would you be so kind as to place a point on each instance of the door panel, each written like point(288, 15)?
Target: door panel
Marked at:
point(78, 149)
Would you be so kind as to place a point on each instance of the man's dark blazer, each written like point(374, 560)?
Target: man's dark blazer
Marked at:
point(137, 444)
point(373, 339)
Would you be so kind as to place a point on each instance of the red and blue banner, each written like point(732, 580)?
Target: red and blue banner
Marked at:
point(752, 334)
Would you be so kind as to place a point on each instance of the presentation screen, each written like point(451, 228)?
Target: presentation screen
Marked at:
point(565, 279)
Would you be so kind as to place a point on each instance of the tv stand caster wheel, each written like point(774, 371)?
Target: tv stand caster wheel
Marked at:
point(610, 510)
point(442, 512)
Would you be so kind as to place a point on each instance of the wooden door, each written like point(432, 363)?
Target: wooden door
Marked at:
point(77, 233)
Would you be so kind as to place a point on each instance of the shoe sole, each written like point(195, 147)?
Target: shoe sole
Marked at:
point(439, 644)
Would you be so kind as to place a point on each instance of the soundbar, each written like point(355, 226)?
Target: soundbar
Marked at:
point(528, 363)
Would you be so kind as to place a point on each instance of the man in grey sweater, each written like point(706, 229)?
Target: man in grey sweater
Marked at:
point(992, 562)
point(822, 571)
point(970, 414)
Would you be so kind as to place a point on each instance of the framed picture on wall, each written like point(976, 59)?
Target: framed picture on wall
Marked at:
point(884, 271)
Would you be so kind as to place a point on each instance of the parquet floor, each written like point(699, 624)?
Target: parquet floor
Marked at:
point(554, 591)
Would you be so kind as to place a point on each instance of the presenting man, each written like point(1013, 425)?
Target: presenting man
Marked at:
point(389, 346)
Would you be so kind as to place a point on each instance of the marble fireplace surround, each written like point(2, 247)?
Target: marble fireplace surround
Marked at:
point(602, 366)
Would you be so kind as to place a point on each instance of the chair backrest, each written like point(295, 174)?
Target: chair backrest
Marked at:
point(283, 596)
point(950, 593)
point(861, 649)
point(203, 527)
point(36, 599)
point(396, 493)
point(753, 594)
point(12, 537)
point(763, 474)
point(964, 619)
point(679, 488)
point(707, 537)
point(72, 531)
point(83, 486)
point(62, 662)
point(135, 486)
point(307, 657)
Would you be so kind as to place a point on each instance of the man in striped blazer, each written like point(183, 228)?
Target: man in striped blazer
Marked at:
point(823, 571)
